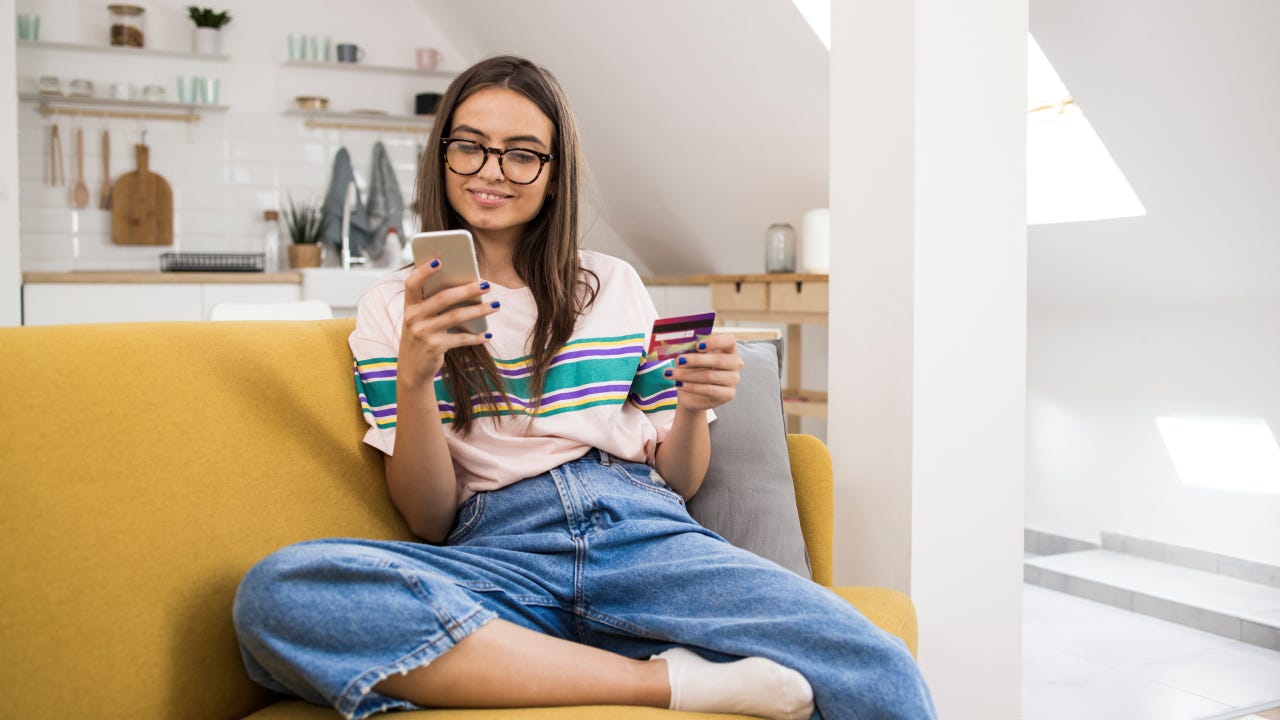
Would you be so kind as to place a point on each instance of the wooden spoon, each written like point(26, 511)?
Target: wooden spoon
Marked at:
point(80, 196)
point(104, 193)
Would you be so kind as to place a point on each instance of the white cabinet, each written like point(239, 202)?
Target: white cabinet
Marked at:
point(64, 303)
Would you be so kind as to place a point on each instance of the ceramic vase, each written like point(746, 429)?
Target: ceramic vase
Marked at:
point(207, 41)
point(304, 256)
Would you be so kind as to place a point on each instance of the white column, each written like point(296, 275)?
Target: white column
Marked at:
point(10, 245)
point(928, 328)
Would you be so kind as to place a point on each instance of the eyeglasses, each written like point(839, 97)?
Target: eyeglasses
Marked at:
point(465, 157)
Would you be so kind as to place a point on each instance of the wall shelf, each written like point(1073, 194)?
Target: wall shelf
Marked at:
point(117, 108)
point(361, 67)
point(329, 119)
point(117, 50)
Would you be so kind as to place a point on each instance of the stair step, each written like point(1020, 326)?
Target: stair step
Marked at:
point(1237, 609)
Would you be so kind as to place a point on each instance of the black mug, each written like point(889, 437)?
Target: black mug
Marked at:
point(349, 53)
point(425, 103)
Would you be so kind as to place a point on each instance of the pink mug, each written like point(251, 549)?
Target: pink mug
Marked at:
point(428, 58)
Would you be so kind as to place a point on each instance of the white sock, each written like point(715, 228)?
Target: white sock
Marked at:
point(752, 686)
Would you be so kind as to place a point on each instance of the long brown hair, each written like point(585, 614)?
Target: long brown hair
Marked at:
point(546, 257)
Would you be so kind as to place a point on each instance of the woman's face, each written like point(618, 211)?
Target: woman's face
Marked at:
point(487, 201)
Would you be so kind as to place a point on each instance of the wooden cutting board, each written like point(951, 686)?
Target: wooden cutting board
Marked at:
point(142, 206)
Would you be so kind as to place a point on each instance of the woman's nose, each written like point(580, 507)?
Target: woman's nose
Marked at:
point(492, 168)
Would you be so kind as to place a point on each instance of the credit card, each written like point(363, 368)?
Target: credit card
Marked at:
point(675, 335)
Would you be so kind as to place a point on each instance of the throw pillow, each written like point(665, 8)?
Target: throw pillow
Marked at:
point(748, 497)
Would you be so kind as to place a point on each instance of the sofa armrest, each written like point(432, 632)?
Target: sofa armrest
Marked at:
point(812, 476)
point(890, 610)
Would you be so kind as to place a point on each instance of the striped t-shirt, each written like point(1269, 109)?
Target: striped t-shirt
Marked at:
point(600, 391)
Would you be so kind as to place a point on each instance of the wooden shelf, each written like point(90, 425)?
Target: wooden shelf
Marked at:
point(361, 67)
point(364, 121)
point(117, 50)
point(77, 101)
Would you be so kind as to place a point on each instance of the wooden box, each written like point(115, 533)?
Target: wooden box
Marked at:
point(798, 297)
point(740, 296)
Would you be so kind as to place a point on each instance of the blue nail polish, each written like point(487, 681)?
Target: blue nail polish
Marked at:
point(682, 361)
point(495, 304)
point(484, 285)
point(488, 335)
point(435, 263)
point(679, 384)
point(702, 346)
point(666, 373)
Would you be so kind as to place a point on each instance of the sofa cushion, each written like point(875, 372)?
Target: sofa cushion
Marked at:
point(748, 497)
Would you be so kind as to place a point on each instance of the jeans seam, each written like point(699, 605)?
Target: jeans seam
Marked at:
point(463, 532)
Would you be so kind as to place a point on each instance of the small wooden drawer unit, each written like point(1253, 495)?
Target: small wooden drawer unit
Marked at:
point(798, 297)
point(740, 296)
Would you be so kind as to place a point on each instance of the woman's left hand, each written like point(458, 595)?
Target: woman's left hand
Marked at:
point(707, 378)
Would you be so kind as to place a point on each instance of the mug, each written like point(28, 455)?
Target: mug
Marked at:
point(349, 53)
point(81, 88)
point(428, 58)
point(153, 93)
point(28, 27)
point(124, 91)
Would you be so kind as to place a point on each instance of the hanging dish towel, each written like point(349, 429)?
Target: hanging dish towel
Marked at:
point(385, 209)
point(343, 175)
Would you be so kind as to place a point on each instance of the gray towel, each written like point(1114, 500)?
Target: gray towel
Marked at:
point(343, 175)
point(385, 209)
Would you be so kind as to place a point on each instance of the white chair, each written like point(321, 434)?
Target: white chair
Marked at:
point(300, 310)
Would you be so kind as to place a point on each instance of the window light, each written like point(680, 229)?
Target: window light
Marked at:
point(1227, 454)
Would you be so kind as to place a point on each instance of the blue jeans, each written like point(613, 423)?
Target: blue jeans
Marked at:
point(598, 551)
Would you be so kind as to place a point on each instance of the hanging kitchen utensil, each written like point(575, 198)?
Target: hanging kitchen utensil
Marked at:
point(57, 174)
point(80, 194)
point(142, 206)
point(104, 193)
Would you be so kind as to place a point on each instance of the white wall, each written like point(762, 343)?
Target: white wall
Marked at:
point(10, 264)
point(1172, 313)
point(231, 166)
point(928, 328)
point(1099, 377)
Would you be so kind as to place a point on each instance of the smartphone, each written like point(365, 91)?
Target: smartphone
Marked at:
point(458, 266)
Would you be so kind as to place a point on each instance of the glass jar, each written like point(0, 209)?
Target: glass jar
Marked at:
point(780, 248)
point(128, 25)
point(271, 241)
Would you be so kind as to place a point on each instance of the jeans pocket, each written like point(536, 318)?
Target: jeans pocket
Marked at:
point(469, 515)
point(646, 478)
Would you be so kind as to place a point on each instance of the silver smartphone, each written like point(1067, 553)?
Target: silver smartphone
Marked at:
point(458, 266)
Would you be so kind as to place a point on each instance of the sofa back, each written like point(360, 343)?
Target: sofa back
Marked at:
point(143, 469)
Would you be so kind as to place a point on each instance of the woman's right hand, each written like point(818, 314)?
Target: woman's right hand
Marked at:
point(425, 336)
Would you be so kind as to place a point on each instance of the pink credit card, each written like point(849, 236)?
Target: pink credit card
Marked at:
point(675, 335)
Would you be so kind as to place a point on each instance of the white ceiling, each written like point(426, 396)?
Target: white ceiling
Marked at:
point(703, 122)
point(1184, 95)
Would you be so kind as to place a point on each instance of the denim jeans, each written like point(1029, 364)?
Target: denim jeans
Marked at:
point(598, 551)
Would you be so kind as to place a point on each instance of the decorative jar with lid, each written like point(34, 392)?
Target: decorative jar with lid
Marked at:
point(128, 25)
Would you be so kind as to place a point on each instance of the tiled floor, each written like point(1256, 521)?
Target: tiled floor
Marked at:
point(1083, 659)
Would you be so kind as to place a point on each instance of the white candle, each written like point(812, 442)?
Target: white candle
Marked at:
point(815, 247)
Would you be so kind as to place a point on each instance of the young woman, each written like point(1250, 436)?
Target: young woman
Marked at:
point(546, 463)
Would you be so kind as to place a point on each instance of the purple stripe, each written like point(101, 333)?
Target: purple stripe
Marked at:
point(582, 392)
point(628, 350)
point(376, 374)
point(377, 413)
point(664, 395)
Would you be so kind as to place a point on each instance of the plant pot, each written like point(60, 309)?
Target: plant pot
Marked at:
point(207, 41)
point(304, 256)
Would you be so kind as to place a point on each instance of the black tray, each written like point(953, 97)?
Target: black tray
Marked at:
point(212, 262)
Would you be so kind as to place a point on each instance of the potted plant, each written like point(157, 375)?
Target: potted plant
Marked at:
point(208, 34)
point(305, 222)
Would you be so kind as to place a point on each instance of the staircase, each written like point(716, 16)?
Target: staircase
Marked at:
point(1189, 587)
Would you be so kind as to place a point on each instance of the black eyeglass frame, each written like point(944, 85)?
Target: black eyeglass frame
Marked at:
point(543, 159)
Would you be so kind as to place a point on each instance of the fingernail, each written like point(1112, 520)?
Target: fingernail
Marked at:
point(667, 373)
point(681, 361)
point(435, 263)
point(484, 285)
point(495, 304)
point(488, 335)
point(702, 346)
point(679, 384)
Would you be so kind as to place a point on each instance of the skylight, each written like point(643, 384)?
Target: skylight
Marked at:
point(1228, 454)
point(1070, 174)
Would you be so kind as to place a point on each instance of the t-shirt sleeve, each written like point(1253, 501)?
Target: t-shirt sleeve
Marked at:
point(651, 392)
point(375, 344)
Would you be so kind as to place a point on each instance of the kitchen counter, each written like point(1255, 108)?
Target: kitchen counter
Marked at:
point(157, 277)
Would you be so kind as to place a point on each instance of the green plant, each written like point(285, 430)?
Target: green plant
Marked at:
point(206, 17)
point(305, 221)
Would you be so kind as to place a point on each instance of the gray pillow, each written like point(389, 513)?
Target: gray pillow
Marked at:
point(748, 497)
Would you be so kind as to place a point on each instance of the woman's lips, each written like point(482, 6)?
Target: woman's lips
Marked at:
point(488, 199)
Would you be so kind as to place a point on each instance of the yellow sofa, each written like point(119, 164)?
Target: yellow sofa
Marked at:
point(145, 467)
